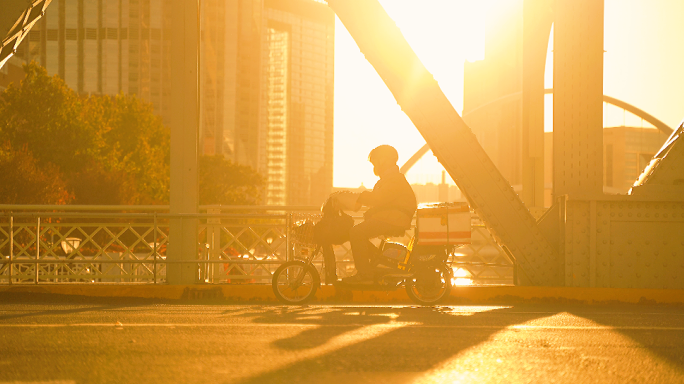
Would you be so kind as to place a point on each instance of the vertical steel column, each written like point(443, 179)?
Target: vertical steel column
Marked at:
point(578, 99)
point(537, 21)
point(184, 139)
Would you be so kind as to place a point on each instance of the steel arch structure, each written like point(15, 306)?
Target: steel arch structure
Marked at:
point(518, 95)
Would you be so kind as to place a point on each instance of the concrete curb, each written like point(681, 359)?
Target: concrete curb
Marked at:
point(328, 294)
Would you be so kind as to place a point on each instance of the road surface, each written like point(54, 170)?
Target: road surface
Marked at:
point(162, 343)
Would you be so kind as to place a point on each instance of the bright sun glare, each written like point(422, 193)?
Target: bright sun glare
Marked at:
point(444, 34)
point(642, 59)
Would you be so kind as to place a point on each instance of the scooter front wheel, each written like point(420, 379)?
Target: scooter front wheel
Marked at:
point(429, 285)
point(295, 282)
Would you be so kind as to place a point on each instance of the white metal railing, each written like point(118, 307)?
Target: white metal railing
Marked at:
point(127, 244)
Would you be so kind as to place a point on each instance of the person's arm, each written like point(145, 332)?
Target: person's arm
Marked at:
point(378, 195)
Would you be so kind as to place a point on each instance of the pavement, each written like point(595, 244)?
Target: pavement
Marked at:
point(61, 340)
point(328, 294)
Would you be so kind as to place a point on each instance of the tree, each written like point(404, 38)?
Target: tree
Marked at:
point(109, 149)
point(98, 150)
point(223, 182)
point(45, 115)
point(23, 181)
point(135, 145)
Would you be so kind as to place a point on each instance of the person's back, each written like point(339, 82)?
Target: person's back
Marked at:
point(392, 204)
point(392, 199)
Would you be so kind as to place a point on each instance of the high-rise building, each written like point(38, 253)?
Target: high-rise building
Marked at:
point(297, 101)
point(266, 77)
point(267, 92)
point(104, 47)
point(498, 128)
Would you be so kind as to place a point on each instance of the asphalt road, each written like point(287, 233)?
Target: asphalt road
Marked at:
point(162, 343)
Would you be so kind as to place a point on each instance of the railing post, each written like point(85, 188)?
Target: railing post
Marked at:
point(288, 244)
point(11, 254)
point(154, 242)
point(37, 247)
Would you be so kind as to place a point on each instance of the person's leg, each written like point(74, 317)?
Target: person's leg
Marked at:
point(330, 264)
point(362, 248)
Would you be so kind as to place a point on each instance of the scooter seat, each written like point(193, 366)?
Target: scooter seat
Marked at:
point(397, 233)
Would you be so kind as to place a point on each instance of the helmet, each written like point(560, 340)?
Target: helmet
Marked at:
point(383, 153)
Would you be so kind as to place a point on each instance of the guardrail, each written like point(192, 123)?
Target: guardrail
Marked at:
point(127, 244)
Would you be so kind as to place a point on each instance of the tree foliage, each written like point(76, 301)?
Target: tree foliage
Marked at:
point(62, 148)
point(22, 181)
point(226, 183)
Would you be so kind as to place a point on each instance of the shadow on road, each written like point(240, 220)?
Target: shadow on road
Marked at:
point(423, 338)
point(660, 342)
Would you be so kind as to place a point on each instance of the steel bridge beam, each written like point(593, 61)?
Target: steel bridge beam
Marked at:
point(17, 17)
point(451, 140)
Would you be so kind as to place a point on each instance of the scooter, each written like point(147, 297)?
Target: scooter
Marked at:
point(421, 269)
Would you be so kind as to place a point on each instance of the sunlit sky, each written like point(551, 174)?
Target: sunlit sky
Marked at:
point(644, 43)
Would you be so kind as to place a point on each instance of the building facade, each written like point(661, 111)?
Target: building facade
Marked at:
point(104, 47)
point(267, 93)
point(266, 77)
point(297, 101)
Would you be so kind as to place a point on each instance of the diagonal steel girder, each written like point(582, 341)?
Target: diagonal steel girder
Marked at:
point(451, 141)
point(17, 17)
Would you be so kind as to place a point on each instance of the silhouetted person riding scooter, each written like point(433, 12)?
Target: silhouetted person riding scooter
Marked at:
point(420, 266)
point(392, 205)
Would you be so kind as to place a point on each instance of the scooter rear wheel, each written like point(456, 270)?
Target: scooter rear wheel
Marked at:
point(295, 282)
point(430, 285)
